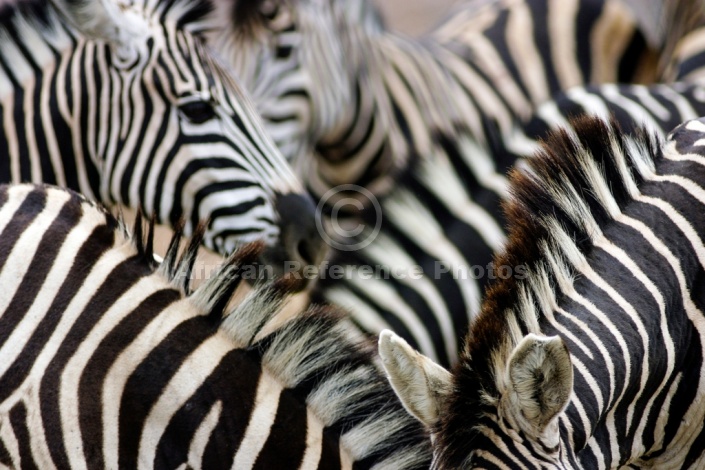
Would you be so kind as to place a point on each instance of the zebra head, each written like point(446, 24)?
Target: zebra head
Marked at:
point(306, 65)
point(520, 429)
point(182, 139)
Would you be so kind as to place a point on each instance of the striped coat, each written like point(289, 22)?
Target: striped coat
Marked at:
point(594, 358)
point(107, 361)
point(129, 106)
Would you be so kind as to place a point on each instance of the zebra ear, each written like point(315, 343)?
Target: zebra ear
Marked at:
point(421, 384)
point(108, 21)
point(540, 378)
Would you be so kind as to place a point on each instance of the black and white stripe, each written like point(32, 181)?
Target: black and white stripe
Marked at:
point(435, 105)
point(127, 105)
point(445, 217)
point(595, 358)
point(107, 361)
point(332, 82)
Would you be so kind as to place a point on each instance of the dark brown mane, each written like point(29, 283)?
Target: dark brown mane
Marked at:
point(563, 164)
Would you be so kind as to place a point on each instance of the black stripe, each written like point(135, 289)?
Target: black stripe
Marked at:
point(5, 457)
point(233, 383)
point(589, 12)
point(330, 452)
point(18, 420)
point(544, 41)
point(96, 244)
point(42, 261)
point(236, 380)
point(497, 36)
point(139, 131)
point(85, 64)
point(286, 444)
point(117, 282)
point(28, 210)
point(631, 58)
point(146, 384)
point(103, 358)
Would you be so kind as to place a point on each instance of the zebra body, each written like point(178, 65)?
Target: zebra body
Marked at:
point(434, 104)
point(106, 362)
point(447, 219)
point(332, 82)
point(595, 358)
point(126, 104)
point(661, 107)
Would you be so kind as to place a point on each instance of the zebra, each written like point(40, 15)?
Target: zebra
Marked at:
point(421, 225)
point(126, 104)
point(331, 81)
point(433, 234)
point(594, 357)
point(108, 360)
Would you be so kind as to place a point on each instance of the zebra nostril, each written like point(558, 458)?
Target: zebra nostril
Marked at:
point(299, 233)
point(305, 254)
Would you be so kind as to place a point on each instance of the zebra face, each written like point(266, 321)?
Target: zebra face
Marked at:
point(184, 141)
point(302, 63)
point(507, 420)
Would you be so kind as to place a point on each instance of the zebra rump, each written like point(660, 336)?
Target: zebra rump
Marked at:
point(110, 360)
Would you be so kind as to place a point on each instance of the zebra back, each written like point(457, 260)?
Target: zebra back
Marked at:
point(109, 360)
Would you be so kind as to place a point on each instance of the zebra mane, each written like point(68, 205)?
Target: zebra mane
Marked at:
point(314, 354)
point(574, 187)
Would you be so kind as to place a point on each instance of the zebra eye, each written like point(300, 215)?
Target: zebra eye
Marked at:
point(198, 112)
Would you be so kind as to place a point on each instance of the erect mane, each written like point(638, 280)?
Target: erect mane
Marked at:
point(578, 182)
point(314, 354)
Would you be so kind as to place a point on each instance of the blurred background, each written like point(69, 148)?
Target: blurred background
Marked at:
point(415, 17)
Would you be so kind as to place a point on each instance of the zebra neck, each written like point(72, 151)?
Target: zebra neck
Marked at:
point(633, 348)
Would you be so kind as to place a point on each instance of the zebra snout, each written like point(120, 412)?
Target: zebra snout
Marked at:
point(303, 246)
